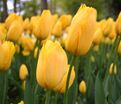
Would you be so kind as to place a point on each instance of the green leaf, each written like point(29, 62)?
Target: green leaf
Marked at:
point(99, 91)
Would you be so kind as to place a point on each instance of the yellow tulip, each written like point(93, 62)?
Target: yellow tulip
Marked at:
point(23, 72)
point(82, 87)
point(3, 32)
point(111, 69)
point(118, 24)
point(57, 29)
point(7, 51)
point(26, 24)
point(44, 24)
point(119, 48)
point(112, 34)
point(98, 36)
point(49, 74)
point(81, 31)
point(65, 20)
point(27, 43)
point(17, 47)
point(21, 102)
point(15, 31)
point(25, 53)
point(36, 52)
point(11, 18)
point(108, 26)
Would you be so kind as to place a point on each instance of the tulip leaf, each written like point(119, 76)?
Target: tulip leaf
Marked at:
point(118, 101)
point(99, 91)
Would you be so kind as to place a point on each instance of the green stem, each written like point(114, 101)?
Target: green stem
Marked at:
point(68, 78)
point(35, 94)
point(56, 98)
point(48, 93)
point(3, 86)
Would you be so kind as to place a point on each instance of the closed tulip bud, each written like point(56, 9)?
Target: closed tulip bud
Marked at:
point(17, 47)
point(26, 24)
point(44, 25)
point(118, 24)
point(108, 26)
point(10, 19)
point(7, 51)
point(112, 34)
point(98, 36)
point(57, 29)
point(119, 48)
point(23, 72)
point(65, 20)
point(81, 31)
point(27, 43)
point(25, 53)
point(50, 73)
point(15, 31)
point(111, 69)
point(21, 102)
point(82, 87)
point(36, 52)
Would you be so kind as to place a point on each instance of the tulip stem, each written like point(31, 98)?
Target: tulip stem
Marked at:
point(56, 98)
point(68, 78)
point(3, 86)
point(48, 93)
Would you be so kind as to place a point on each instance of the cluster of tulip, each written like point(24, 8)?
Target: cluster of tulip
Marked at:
point(47, 58)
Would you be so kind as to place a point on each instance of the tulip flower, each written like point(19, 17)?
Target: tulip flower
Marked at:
point(11, 18)
point(23, 72)
point(65, 20)
point(21, 102)
point(27, 44)
point(44, 24)
point(82, 87)
point(119, 48)
point(81, 31)
point(15, 31)
point(98, 36)
point(118, 24)
point(57, 29)
point(50, 74)
point(26, 25)
point(7, 51)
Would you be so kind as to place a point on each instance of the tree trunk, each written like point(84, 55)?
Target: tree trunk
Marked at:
point(5, 12)
point(15, 2)
point(44, 4)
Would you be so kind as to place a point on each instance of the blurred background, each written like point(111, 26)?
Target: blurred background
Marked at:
point(28, 8)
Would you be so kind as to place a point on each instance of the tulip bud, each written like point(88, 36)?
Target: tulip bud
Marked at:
point(21, 102)
point(36, 52)
point(118, 24)
point(81, 31)
point(82, 87)
point(27, 43)
point(15, 31)
point(57, 30)
point(98, 36)
point(119, 48)
point(65, 20)
point(7, 51)
point(111, 69)
point(23, 72)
